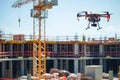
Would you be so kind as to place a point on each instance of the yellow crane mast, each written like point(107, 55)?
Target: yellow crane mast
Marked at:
point(39, 44)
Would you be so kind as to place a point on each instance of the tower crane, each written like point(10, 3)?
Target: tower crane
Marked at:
point(39, 45)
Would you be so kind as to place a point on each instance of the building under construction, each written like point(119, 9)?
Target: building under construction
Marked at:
point(68, 53)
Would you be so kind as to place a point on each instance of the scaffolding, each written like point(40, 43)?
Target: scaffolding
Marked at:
point(16, 50)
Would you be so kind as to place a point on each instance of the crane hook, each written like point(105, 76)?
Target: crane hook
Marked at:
point(19, 22)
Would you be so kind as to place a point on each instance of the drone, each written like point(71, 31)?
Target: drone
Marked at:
point(93, 18)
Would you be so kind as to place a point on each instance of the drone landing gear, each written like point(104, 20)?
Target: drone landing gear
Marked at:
point(99, 28)
point(87, 28)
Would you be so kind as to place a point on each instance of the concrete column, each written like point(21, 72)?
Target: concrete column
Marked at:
point(10, 62)
point(22, 49)
point(55, 48)
point(84, 58)
point(76, 65)
point(104, 65)
point(84, 64)
point(25, 67)
point(10, 69)
point(3, 69)
point(101, 61)
point(11, 50)
point(55, 63)
point(76, 46)
point(81, 65)
point(67, 65)
point(101, 53)
point(84, 49)
point(101, 49)
point(31, 66)
point(61, 64)
point(22, 67)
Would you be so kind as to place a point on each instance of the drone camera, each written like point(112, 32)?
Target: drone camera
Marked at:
point(95, 25)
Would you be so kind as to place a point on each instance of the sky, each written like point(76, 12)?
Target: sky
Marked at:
point(62, 20)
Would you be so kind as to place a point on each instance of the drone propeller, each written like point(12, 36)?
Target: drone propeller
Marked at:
point(83, 12)
point(81, 15)
point(106, 12)
point(86, 14)
point(107, 15)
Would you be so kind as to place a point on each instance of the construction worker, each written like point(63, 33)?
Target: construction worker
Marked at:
point(64, 78)
point(71, 78)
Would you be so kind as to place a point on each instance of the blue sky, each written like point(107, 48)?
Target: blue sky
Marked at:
point(62, 19)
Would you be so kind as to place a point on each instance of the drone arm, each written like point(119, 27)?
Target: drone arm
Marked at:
point(89, 24)
point(79, 15)
point(78, 18)
point(106, 16)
